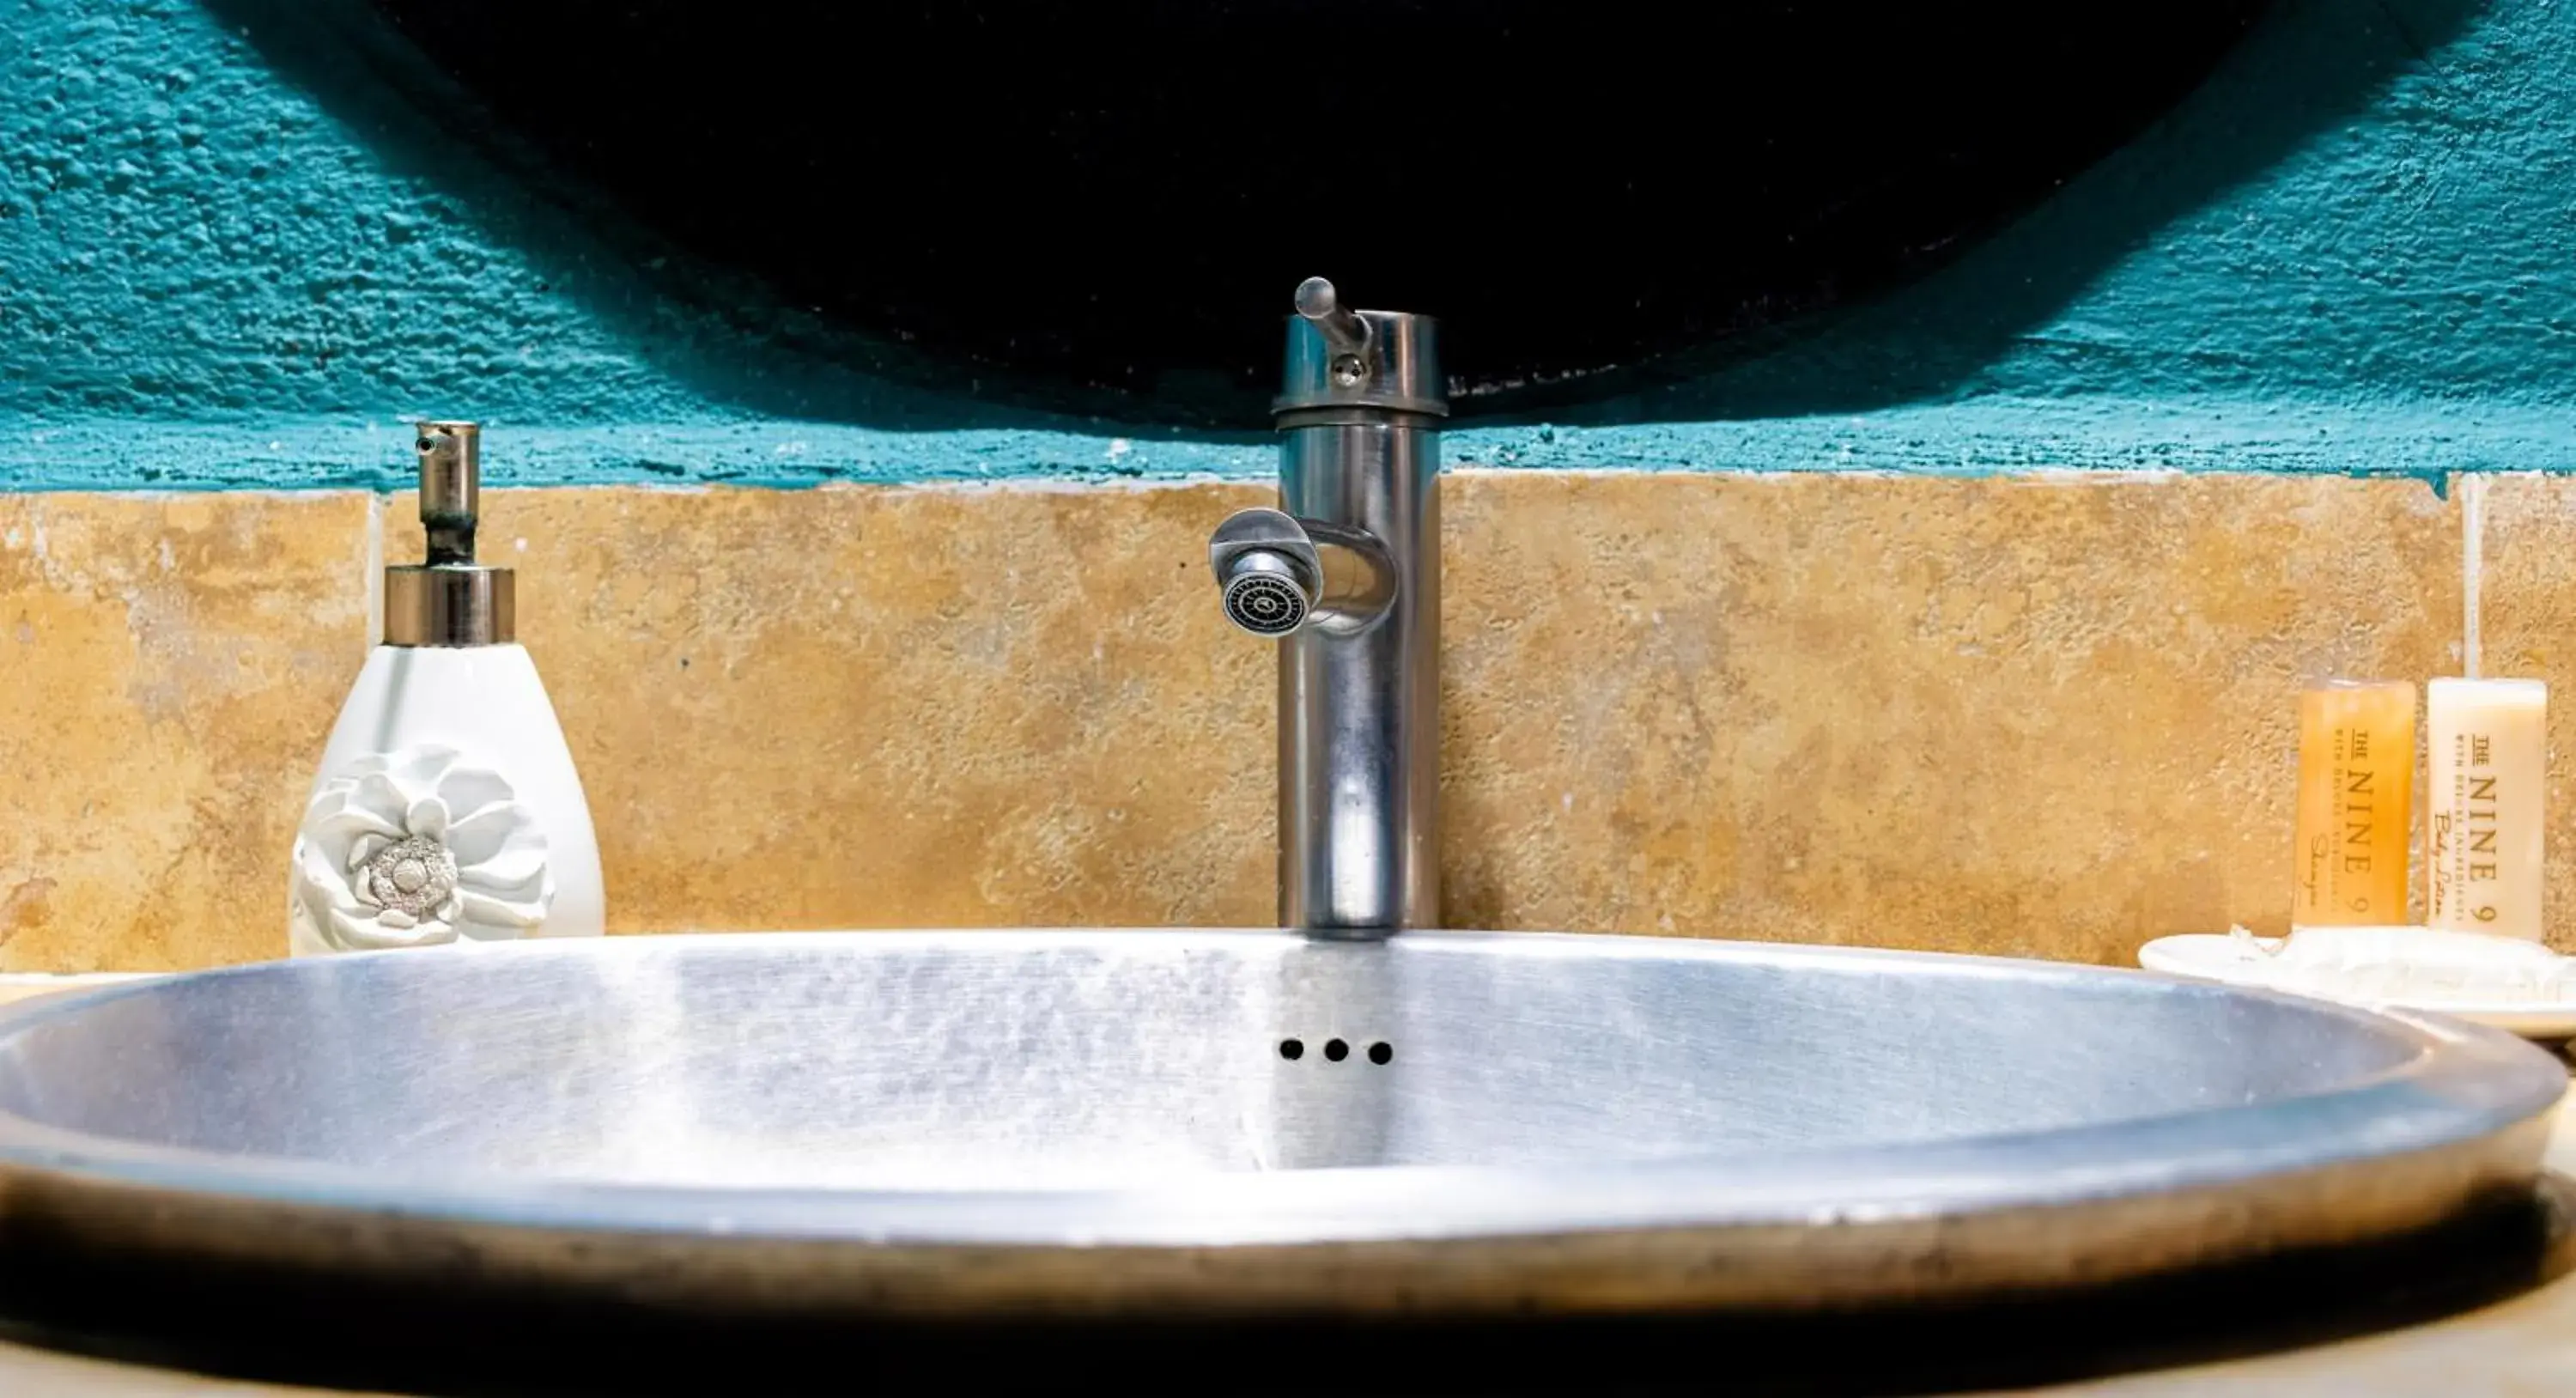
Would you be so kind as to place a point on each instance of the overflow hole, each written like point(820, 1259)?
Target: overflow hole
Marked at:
point(1381, 1052)
point(1336, 1050)
point(1292, 1049)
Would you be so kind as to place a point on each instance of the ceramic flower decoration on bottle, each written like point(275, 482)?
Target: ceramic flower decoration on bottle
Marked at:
point(413, 848)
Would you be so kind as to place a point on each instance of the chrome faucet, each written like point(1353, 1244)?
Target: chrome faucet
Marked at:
point(1347, 575)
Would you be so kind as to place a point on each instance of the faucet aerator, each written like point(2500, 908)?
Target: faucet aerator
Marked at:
point(1265, 603)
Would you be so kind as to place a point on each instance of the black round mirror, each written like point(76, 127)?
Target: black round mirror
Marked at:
point(1095, 208)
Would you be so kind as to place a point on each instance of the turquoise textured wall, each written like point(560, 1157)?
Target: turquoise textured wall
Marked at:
point(2353, 251)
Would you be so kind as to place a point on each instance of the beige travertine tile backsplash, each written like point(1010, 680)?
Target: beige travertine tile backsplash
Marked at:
point(2048, 716)
point(2030, 717)
point(168, 667)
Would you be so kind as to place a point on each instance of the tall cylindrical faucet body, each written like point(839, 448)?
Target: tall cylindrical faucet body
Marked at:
point(1359, 705)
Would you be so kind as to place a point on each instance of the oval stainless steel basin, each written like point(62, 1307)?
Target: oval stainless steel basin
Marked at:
point(1217, 1122)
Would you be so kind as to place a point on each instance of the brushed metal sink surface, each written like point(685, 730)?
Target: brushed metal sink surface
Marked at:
point(1234, 1122)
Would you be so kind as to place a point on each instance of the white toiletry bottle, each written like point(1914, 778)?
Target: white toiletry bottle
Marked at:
point(446, 808)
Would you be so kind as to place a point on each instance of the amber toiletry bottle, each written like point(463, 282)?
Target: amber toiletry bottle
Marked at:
point(2356, 798)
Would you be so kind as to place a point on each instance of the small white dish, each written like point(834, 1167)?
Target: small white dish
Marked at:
point(2217, 956)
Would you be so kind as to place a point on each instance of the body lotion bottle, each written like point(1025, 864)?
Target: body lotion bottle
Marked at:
point(446, 808)
point(2486, 769)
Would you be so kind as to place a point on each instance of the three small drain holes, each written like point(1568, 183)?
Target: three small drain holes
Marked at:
point(1380, 1053)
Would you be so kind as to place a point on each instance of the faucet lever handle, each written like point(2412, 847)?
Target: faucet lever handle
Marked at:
point(1344, 330)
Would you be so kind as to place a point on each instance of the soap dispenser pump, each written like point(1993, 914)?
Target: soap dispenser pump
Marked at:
point(446, 808)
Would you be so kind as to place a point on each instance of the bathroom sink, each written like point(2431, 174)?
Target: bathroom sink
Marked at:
point(1230, 1123)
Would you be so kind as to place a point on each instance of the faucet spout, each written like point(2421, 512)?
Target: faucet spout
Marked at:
point(1278, 574)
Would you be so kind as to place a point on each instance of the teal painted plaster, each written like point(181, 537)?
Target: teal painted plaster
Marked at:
point(222, 264)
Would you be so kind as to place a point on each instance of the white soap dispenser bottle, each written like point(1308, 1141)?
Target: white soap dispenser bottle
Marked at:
point(446, 808)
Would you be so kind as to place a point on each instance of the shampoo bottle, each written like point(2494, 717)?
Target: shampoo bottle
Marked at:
point(2356, 799)
point(446, 808)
